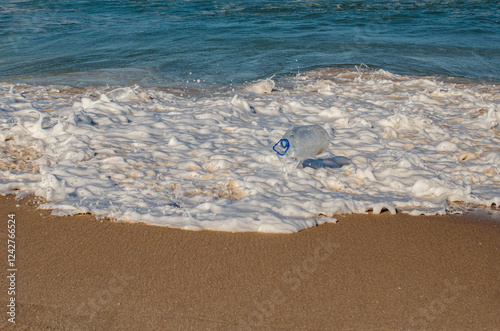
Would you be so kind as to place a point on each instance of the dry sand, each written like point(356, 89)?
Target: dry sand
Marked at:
point(367, 272)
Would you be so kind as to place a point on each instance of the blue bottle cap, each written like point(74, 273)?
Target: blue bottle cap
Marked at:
point(283, 145)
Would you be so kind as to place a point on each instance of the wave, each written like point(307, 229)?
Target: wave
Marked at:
point(198, 159)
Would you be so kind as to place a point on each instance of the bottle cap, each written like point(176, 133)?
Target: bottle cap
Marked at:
point(281, 147)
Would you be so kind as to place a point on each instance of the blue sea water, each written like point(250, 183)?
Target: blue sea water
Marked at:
point(171, 43)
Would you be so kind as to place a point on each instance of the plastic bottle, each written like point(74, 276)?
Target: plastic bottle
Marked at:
point(303, 141)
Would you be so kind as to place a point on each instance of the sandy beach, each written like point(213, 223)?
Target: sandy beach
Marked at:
point(367, 272)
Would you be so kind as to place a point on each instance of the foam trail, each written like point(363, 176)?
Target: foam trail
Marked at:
point(402, 144)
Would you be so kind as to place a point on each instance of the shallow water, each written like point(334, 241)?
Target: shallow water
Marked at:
point(166, 112)
point(415, 145)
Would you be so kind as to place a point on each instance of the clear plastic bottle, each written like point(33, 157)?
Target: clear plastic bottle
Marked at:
point(303, 141)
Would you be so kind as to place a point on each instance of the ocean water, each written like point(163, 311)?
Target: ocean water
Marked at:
point(165, 43)
point(166, 112)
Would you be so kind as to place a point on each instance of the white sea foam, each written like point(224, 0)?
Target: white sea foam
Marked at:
point(206, 162)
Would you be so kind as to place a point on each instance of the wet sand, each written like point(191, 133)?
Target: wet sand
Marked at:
point(367, 272)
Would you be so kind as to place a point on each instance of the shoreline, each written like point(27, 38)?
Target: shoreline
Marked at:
point(208, 89)
point(366, 272)
point(189, 152)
